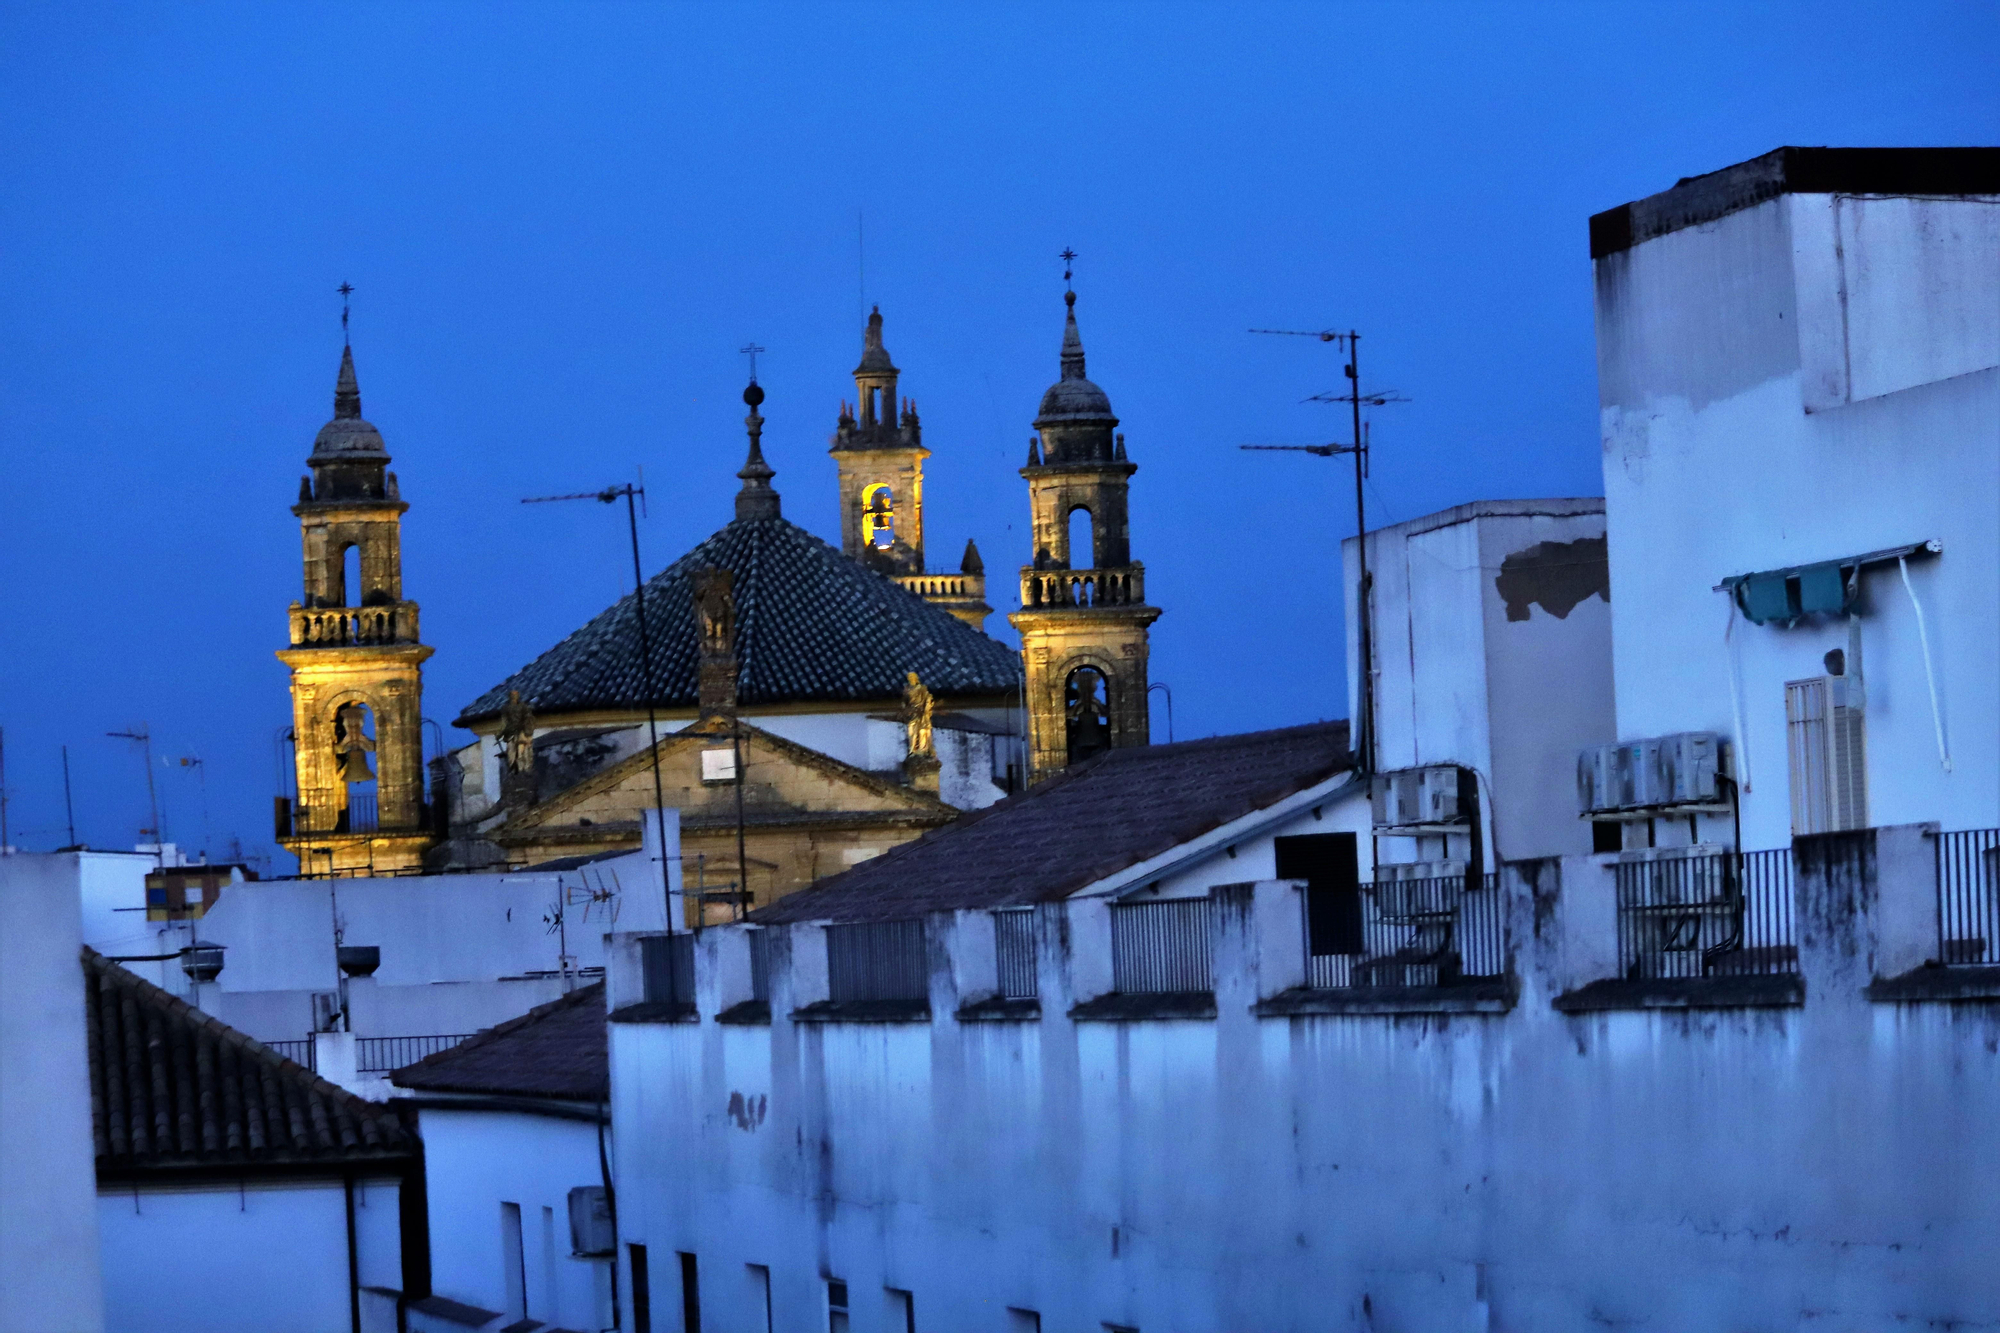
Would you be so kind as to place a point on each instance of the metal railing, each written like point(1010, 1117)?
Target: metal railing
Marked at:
point(1726, 914)
point(666, 968)
point(1161, 946)
point(298, 1052)
point(1014, 953)
point(877, 960)
point(760, 965)
point(1968, 897)
point(1409, 932)
point(379, 1055)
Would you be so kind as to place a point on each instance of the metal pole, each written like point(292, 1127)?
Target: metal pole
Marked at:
point(1364, 744)
point(652, 720)
point(69, 806)
point(742, 858)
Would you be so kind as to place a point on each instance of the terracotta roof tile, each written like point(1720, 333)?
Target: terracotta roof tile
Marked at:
point(172, 1089)
point(1110, 812)
point(554, 1050)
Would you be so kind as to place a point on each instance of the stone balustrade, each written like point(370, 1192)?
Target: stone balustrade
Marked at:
point(347, 626)
point(934, 586)
point(1084, 587)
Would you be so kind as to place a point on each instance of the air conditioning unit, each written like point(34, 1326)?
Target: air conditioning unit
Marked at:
point(590, 1232)
point(1411, 870)
point(1682, 769)
point(1690, 768)
point(1409, 797)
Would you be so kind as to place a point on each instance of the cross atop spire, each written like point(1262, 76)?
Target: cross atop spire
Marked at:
point(750, 350)
point(1068, 257)
point(346, 289)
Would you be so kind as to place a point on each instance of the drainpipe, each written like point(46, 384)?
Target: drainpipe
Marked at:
point(353, 1261)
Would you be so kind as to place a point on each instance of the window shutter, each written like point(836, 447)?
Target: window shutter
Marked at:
point(1828, 756)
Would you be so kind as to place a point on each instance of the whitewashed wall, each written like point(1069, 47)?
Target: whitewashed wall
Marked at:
point(474, 1160)
point(1457, 682)
point(48, 1220)
point(1825, 1166)
point(1808, 379)
point(251, 1258)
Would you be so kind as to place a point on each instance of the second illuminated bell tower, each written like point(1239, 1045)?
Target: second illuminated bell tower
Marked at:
point(1083, 617)
point(879, 447)
point(357, 681)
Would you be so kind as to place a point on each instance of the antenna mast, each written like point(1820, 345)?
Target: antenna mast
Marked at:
point(1364, 743)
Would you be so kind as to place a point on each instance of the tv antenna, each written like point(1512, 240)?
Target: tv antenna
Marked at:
point(1356, 399)
point(144, 736)
point(633, 496)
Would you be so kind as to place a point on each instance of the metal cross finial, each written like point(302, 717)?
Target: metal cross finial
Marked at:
point(346, 289)
point(1068, 257)
point(750, 350)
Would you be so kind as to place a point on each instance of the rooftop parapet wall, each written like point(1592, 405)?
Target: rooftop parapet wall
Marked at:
point(1510, 1162)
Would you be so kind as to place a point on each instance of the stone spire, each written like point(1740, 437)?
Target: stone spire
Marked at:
point(1072, 347)
point(347, 389)
point(756, 499)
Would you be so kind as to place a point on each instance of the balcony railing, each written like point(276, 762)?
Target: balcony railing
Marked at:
point(1083, 587)
point(666, 968)
point(1406, 933)
point(1968, 892)
point(346, 626)
point(1161, 947)
point(1724, 914)
point(379, 1055)
point(1014, 953)
point(361, 814)
point(877, 960)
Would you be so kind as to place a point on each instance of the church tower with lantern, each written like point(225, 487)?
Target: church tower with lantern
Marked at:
point(878, 447)
point(356, 662)
point(1083, 617)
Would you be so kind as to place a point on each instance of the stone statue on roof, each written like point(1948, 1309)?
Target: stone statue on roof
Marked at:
point(517, 734)
point(918, 707)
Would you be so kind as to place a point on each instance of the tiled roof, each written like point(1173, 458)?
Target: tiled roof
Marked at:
point(554, 1050)
point(172, 1089)
point(811, 625)
point(1112, 811)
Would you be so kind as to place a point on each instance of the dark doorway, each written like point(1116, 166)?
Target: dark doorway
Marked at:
point(1330, 864)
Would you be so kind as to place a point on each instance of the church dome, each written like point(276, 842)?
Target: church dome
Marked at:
point(1073, 398)
point(347, 436)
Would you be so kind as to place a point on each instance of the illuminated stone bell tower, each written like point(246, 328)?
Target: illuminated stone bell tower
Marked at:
point(1083, 617)
point(878, 446)
point(357, 679)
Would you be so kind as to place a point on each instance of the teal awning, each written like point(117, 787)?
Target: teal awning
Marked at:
point(1826, 588)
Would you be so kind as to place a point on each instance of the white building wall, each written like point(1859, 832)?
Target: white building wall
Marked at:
point(475, 1160)
point(1770, 398)
point(255, 1257)
point(1534, 1170)
point(48, 1217)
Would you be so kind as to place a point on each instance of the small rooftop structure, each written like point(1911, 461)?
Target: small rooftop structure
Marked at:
point(1106, 814)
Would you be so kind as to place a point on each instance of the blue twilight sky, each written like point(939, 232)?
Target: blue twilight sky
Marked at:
point(563, 220)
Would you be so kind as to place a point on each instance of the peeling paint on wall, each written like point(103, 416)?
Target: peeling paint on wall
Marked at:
point(1555, 575)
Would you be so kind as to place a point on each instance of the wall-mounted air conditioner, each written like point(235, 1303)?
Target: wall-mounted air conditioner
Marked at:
point(1685, 769)
point(1423, 797)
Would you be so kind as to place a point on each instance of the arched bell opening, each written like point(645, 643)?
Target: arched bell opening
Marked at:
point(1087, 712)
point(1082, 539)
point(354, 778)
point(878, 517)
